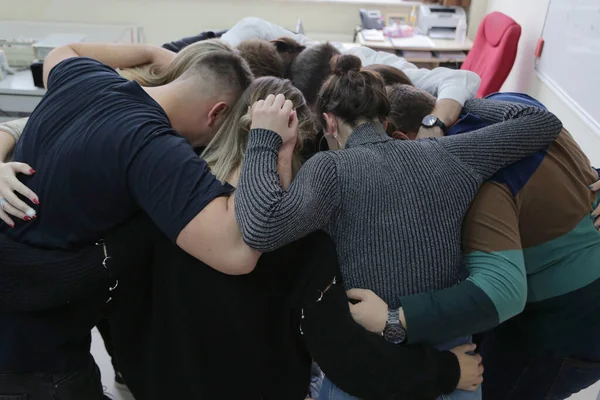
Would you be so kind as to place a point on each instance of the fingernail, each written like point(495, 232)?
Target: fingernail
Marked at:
point(590, 187)
point(32, 171)
point(26, 218)
point(30, 212)
point(36, 201)
point(11, 225)
point(34, 217)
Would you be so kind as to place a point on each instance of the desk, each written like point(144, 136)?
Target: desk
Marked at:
point(441, 50)
point(18, 94)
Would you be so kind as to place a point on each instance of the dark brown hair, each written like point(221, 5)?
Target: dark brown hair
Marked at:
point(262, 57)
point(311, 68)
point(288, 49)
point(409, 106)
point(389, 74)
point(352, 94)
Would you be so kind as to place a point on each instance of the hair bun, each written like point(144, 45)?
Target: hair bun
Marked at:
point(344, 63)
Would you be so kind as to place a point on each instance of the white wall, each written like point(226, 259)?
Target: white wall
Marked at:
point(165, 20)
point(524, 78)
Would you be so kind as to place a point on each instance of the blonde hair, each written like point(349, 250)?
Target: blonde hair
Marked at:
point(152, 75)
point(225, 152)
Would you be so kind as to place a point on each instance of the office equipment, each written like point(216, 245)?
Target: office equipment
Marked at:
point(371, 19)
point(494, 51)
point(440, 22)
point(54, 40)
point(571, 55)
point(19, 52)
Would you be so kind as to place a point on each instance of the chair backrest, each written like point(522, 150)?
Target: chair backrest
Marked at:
point(494, 51)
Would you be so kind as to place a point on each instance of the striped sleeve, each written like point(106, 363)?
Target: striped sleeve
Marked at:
point(517, 131)
point(496, 288)
point(271, 217)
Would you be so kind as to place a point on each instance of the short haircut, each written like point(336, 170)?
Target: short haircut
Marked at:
point(390, 75)
point(262, 57)
point(408, 107)
point(311, 69)
point(228, 72)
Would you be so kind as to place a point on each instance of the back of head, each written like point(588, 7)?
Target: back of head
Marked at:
point(224, 154)
point(311, 68)
point(389, 74)
point(150, 75)
point(262, 57)
point(351, 94)
point(220, 75)
point(288, 49)
point(409, 105)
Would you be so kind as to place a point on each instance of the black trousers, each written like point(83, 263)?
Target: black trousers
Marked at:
point(84, 384)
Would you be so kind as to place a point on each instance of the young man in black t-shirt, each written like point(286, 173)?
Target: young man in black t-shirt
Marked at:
point(104, 149)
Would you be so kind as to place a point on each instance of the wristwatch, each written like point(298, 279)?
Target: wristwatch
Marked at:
point(432, 120)
point(394, 332)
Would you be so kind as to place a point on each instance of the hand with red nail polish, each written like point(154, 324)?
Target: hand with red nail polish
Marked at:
point(10, 185)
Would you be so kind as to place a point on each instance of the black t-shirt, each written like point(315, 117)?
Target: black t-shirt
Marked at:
point(102, 149)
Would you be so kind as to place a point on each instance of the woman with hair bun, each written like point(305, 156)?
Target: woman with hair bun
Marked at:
point(396, 234)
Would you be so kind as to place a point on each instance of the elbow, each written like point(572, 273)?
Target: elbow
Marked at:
point(242, 263)
point(258, 242)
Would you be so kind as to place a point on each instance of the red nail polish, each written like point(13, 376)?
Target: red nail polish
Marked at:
point(12, 225)
point(32, 171)
point(26, 218)
point(34, 217)
point(36, 201)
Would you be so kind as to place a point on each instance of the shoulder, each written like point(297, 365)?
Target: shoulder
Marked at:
point(76, 69)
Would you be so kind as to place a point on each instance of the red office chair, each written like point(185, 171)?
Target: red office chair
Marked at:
point(494, 51)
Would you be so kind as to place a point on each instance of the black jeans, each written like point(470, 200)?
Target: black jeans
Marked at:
point(512, 374)
point(84, 384)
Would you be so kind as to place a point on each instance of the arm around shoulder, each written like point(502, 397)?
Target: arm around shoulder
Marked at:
point(214, 238)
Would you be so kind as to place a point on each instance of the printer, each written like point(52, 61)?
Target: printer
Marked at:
point(439, 22)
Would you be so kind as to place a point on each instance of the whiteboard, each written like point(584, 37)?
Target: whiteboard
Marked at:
point(570, 61)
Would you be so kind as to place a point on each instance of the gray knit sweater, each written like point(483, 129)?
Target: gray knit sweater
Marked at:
point(394, 208)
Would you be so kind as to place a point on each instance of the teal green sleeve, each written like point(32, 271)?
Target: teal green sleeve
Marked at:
point(495, 291)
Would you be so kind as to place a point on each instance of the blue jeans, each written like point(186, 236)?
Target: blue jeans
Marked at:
point(331, 392)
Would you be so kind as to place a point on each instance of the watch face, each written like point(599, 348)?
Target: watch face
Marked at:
point(429, 120)
point(395, 333)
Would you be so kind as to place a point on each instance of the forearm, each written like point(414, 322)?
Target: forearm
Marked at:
point(347, 353)
point(10, 132)
point(7, 144)
point(495, 291)
point(448, 111)
point(271, 217)
point(461, 310)
point(516, 131)
point(118, 55)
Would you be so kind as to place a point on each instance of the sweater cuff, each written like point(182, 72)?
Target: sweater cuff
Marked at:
point(449, 372)
point(264, 138)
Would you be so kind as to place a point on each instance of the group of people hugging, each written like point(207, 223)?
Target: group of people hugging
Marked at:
point(252, 215)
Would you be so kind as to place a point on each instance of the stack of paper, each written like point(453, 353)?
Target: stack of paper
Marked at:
point(373, 35)
point(413, 41)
